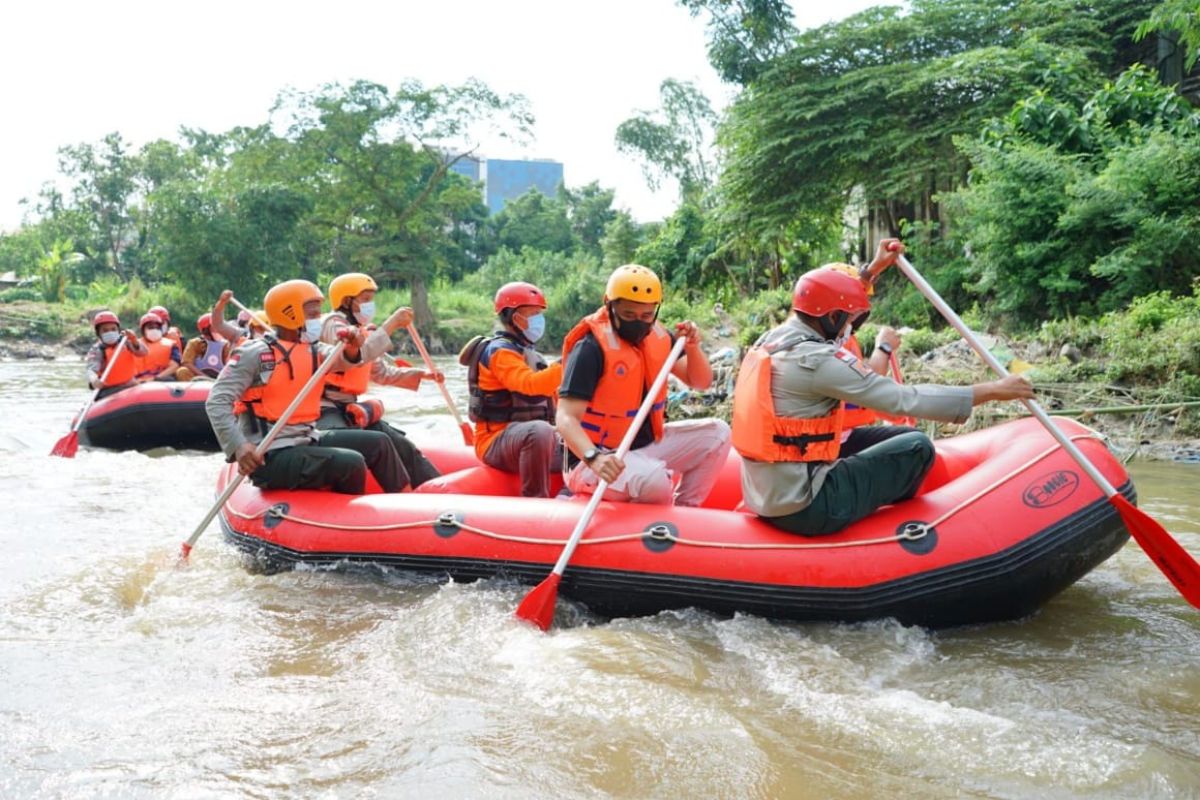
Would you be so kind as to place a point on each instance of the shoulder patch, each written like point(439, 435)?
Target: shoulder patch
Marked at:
point(854, 362)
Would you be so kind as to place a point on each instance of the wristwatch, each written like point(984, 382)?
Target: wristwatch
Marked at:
point(885, 347)
point(589, 455)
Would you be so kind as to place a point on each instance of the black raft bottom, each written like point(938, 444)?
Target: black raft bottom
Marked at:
point(146, 426)
point(1008, 585)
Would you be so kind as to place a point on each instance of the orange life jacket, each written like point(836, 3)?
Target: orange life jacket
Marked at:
point(628, 372)
point(353, 381)
point(284, 376)
point(173, 335)
point(857, 415)
point(761, 434)
point(158, 356)
point(124, 370)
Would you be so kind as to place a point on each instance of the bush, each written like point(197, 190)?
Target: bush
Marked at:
point(20, 293)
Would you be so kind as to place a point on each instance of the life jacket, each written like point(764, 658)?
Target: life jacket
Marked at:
point(628, 372)
point(158, 356)
point(282, 372)
point(213, 360)
point(124, 370)
point(857, 415)
point(497, 404)
point(354, 380)
point(175, 336)
point(761, 434)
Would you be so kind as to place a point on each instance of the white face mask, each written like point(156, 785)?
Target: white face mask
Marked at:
point(153, 335)
point(110, 337)
point(312, 330)
point(366, 312)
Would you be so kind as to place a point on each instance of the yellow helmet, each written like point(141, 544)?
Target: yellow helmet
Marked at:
point(284, 302)
point(853, 272)
point(633, 282)
point(349, 285)
point(256, 319)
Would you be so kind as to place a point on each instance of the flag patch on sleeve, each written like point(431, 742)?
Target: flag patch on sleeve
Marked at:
point(854, 362)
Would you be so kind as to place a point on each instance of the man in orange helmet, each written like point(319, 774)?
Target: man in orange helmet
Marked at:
point(342, 405)
point(262, 378)
point(610, 360)
point(789, 410)
point(512, 390)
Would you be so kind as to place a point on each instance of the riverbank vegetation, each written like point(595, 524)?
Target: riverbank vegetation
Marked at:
point(1042, 166)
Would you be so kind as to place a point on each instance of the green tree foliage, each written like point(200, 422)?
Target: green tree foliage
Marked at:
point(1178, 17)
point(744, 36)
point(1078, 204)
point(534, 221)
point(620, 241)
point(589, 208)
point(876, 100)
point(674, 141)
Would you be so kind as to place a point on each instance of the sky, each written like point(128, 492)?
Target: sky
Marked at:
point(74, 71)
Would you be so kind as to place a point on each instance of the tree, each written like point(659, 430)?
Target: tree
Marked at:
point(621, 239)
point(1178, 17)
point(744, 36)
point(674, 141)
point(534, 221)
point(589, 208)
point(376, 164)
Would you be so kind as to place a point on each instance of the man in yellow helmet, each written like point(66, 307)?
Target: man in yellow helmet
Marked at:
point(353, 299)
point(610, 360)
point(261, 379)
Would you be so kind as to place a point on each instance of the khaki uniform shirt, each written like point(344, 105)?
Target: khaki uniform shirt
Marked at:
point(809, 376)
point(241, 372)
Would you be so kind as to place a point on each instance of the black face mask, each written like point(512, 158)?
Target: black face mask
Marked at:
point(633, 330)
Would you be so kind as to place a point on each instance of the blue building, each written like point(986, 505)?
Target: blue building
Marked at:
point(468, 167)
point(504, 179)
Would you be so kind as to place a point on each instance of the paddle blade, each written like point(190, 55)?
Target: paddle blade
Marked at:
point(66, 446)
point(1175, 562)
point(185, 550)
point(538, 605)
point(468, 433)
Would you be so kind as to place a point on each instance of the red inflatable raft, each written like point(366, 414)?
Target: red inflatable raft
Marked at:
point(149, 415)
point(1005, 521)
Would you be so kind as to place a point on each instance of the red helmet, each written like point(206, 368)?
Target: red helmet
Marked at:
point(824, 290)
point(161, 313)
point(103, 317)
point(205, 322)
point(150, 318)
point(517, 294)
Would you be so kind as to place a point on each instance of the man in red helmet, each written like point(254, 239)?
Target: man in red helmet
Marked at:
point(124, 372)
point(162, 355)
point(512, 390)
point(205, 355)
point(789, 410)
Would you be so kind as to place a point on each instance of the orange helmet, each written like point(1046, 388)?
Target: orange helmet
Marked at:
point(284, 302)
point(633, 282)
point(349, 285)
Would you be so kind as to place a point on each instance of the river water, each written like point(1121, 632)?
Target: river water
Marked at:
point(121, 676)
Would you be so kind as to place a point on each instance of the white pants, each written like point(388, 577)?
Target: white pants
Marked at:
point(693, 450)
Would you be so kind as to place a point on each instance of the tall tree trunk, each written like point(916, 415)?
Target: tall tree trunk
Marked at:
point(422, 315)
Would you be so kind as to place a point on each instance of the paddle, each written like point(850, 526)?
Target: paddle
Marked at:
point(1174, 561)
point(538, 605)
point(69, 444)
point(186, 549)
point(257, 318)
point(468, 434)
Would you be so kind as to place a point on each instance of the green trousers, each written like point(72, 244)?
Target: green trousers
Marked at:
point(417, 467)
point(888, 470)
point(340, 462)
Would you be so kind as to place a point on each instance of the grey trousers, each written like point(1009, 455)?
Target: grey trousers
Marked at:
point(528, 449)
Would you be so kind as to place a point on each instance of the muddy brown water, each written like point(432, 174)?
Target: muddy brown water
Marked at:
point(121, 676)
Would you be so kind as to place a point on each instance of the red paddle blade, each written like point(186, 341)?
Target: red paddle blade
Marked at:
point(538, 605)
point(468, 434)
point(66, 446)
point(185, 550)
point(1175, 562)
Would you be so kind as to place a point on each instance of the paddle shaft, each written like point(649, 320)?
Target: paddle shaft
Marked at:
point(103, 377)
point(241, 307)
point(1034, 408)
point(272, 434)
point(622, 451)
point(412, 331)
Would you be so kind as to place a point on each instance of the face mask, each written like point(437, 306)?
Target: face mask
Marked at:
point(110, 337)
point(312, 329)
point(366, 312)
point(535, 327)
point(153, 335)
point(633, 330)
